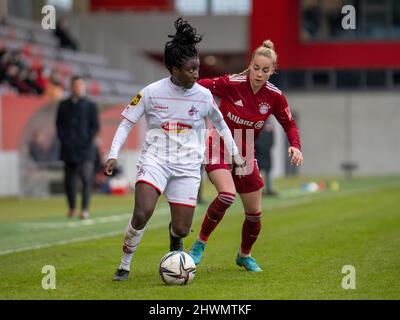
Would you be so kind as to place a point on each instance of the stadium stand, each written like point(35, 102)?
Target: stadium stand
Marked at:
point(35, 53)
point(40, 50)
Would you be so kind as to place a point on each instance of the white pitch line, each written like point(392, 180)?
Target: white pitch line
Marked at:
point(74, 240)
point(83, 223)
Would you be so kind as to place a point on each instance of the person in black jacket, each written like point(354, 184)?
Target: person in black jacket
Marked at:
point(77, 125)
point(62, 33)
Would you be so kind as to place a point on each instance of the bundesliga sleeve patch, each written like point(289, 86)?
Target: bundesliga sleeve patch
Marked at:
point(136, 100)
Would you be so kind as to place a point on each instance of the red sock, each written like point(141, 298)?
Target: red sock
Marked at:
point(215, 213)
point(250, 231)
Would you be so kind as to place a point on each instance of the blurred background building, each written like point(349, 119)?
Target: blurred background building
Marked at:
point(342, 84)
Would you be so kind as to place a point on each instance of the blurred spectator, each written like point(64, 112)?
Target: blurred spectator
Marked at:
point(5, 62)
point(15, 73)
point(55, 88)
point(263, 154)
point(43, 148)
point(17, 59)
point(32, 82)
point(20, 82)
point(16, 78)
point(62, 33)
point(41, 80)
point(10, 74)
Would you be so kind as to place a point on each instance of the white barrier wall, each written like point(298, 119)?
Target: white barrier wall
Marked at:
point(9, 173)
point(363, 128)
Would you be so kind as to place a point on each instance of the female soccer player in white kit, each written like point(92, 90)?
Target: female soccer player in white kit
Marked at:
point(173, 150)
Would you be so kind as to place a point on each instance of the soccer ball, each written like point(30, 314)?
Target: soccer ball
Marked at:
point(177, 267)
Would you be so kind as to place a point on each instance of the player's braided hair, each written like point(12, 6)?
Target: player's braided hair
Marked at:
point(182, 46)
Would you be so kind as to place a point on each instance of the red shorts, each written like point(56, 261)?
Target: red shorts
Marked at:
point(244, 184)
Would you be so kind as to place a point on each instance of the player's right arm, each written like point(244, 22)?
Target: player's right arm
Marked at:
point(132, 113)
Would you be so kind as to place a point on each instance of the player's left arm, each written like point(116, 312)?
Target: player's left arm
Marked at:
point(284, 116)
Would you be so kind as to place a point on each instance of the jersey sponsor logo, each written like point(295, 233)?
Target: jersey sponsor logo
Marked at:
point(175, 127)
point(161, 108)
point(259, 124)
point(239, 120)
point(136, 100)
point(263, 107)
point(239, 103)
point(193, 111)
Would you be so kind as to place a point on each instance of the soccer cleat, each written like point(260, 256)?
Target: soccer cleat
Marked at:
point(249, 263)
point(84, 215)
point(71, 213)
point(197, 251)
point(175, 243)
point(121, 275)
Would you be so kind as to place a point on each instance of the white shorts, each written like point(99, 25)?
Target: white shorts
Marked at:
point(179, 188)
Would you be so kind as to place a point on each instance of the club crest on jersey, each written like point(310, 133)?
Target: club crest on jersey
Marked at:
point(136, 100)
point(193, 111)
point(263, 107)
point(141, 172)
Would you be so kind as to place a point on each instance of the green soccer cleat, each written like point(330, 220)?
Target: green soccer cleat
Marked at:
point(248, 263)
point(121, 275)
point(197, 251)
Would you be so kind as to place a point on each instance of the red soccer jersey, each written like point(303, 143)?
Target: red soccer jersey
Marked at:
point(242, 109)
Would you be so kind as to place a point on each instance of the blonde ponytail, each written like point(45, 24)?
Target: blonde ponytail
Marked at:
point(268, 44)
point(267, 49)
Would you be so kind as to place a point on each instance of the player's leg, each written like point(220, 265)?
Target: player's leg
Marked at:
point(151, 180)
point(70, 179)
point(251, 229)
point(181, 193)
point(146, 197)
point(86, 172)
point(179, 227)
point(250, 189)
point(223, 182)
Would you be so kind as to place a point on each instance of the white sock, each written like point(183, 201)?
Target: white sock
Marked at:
point(243, 255)
point(132, 239)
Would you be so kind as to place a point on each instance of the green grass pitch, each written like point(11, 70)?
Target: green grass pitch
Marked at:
point(305, 241)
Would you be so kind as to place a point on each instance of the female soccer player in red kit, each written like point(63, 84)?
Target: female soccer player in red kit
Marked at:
point(247, 100)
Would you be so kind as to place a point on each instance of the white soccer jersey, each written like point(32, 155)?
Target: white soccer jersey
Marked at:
point(176, 123)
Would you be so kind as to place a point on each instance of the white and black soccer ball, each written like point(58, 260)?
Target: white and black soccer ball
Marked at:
point(177, 267)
